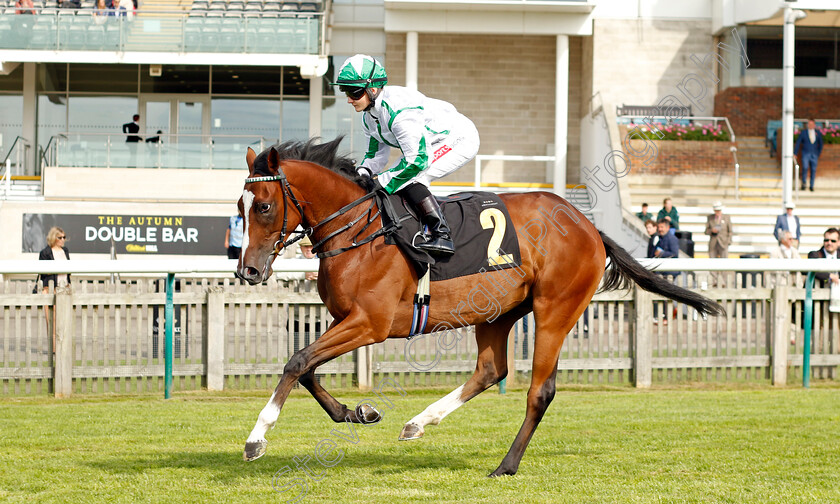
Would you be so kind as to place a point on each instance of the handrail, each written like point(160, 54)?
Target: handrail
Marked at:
point(481, 157)
point(44, 160)
point(670, 119)
point(6, 178)
point(26, 144)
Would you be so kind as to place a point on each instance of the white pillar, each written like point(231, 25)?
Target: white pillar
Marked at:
point(30, 117)
point(411, 48)
point(791, 15)
point(316, 98)
point(561, 115)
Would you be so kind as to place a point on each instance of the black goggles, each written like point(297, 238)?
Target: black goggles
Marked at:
point(353, 92)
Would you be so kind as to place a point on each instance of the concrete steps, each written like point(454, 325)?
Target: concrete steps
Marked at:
point(23, 189)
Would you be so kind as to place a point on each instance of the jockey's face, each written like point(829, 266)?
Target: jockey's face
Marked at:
point(362, 103)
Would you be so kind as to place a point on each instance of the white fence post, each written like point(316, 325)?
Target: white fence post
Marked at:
point(781, 333)
point(642, 349)
point(63, 371)
point(215, 345)
point(364, 367)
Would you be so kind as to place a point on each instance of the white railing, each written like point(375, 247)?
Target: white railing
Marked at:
point(491, 157)
point(6, 180)
point(623, 333)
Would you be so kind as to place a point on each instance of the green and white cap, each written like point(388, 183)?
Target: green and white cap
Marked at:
point(362, 71)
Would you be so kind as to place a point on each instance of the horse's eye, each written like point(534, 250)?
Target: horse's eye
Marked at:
point(263, 207)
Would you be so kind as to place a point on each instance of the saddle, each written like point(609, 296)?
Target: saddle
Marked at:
point(481, 229)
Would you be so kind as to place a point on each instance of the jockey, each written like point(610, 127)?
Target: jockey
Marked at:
point(433, 138)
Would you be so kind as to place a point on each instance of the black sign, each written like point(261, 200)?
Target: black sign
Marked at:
point(130, 234)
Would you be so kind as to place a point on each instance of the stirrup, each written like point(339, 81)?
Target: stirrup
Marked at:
point(437, 246)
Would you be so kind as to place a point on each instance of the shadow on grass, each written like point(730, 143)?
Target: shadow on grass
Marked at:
point(229, 466)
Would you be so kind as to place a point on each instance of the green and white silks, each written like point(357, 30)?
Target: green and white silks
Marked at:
point(432, 136)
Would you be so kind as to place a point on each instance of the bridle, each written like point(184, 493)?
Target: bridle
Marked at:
point(286, 189)
point(282, 242)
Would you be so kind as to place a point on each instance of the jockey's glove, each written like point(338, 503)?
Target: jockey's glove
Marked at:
point(366, 180)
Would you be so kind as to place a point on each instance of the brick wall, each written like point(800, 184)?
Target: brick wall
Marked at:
point(829, 163)
point(505, 84)
point(749, 108)
point(681, 158)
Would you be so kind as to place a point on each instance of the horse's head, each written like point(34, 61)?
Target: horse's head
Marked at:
point(270, 212)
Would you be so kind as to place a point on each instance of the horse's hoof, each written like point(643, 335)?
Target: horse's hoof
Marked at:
point(501, 472)
point(367, 414)
point(254, 450)
point(411, 431)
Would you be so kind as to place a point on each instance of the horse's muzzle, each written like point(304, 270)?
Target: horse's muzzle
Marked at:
point(250, 274)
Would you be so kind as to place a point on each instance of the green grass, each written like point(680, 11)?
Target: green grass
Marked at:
point(681, 444)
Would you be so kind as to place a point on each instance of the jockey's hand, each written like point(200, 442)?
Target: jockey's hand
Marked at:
point(366, 180)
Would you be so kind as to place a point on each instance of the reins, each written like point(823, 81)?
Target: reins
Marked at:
point(308, 230)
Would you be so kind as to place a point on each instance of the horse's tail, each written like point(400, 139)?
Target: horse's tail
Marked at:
point(624, 269)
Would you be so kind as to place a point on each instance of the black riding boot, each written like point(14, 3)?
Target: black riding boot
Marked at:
point(439, 241)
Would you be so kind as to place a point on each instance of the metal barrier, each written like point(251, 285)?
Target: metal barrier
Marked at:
point(99, 150)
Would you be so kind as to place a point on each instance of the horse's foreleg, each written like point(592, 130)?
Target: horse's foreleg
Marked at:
point(490, 368)
point(338, 412)
point(352, 333)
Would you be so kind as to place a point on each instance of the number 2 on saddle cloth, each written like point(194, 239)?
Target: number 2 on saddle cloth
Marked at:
point(481, 229)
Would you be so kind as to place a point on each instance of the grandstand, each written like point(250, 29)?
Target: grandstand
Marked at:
point(217, 76)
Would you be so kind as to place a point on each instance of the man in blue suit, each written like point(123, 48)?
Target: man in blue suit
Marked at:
point(788, 222)
point(810, 142)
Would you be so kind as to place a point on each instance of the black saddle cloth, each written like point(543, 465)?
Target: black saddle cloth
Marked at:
point(481, 227)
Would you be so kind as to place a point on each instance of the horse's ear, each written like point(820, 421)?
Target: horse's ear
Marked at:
point(250, 156)
point(273, 160)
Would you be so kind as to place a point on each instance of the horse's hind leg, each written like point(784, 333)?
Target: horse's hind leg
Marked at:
point(554, 321)
point(490, 368)
point(364, 413)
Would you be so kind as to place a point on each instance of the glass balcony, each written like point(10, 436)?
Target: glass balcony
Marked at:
point(169, 151)
point(80, 30)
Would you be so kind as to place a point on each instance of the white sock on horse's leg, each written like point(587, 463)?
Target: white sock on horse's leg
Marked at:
point(438, 410)
point(266, 420)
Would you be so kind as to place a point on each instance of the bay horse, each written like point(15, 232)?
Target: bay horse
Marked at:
point(369, 289)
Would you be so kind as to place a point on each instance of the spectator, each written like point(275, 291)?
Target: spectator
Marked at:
point(100, 13)
point(787, 248)
point(810, 143)
point(304, 252)
point(69, 4)
point(788, 222)
point(719, 229)
point(54, 251)
point(662, 244)
point(828, 251)
point(118, 10)
point(670, 213)
point(156, 138)
point(24, 7)
point(130, 129)
point(653, 240)
point(644, 214)
point(233, 237)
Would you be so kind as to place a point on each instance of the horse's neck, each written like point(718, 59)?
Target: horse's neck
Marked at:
point(324, 193)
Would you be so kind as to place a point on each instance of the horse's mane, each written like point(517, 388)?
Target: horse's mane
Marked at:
point(323, 154)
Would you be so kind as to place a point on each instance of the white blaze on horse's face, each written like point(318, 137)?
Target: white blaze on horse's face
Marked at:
point(247, 202)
